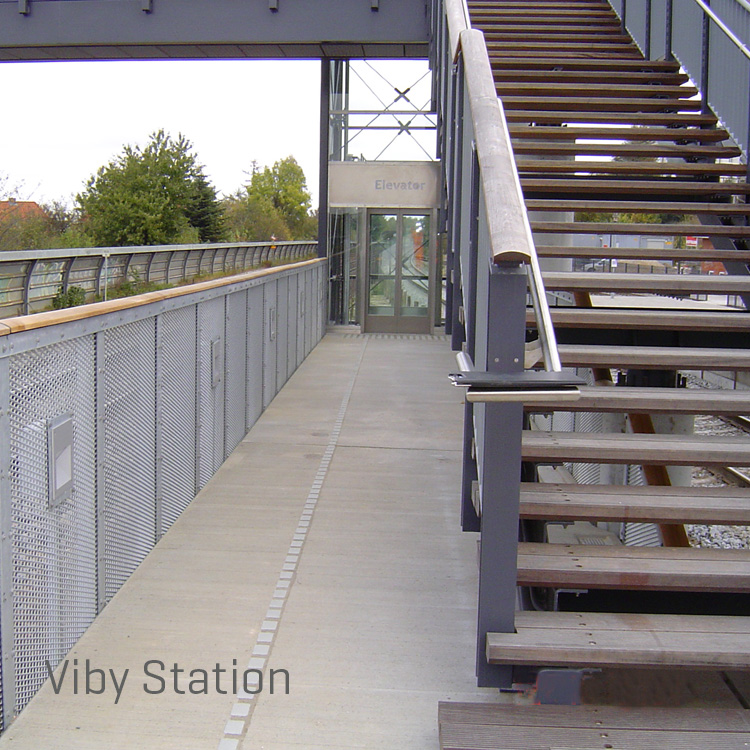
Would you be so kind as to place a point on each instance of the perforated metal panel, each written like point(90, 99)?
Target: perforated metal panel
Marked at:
point(282, 310)
point(211, 383)
point(292, 325)
point(127, 449)
point(270, 340)
point(254, 366)
point(175, 404)
point(235, 358)
point(54, 551)
point(301, 348)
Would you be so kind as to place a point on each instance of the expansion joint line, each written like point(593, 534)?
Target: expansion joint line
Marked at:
point(238, 723)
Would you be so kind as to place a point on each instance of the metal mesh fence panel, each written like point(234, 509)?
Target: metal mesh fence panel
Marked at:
point(210, 388)
point(234, 388)
point(254, 366)
point(301, 317)
point(282, 332)
point(270, 325)
point(54, 549)
point(127, 449)
point(175, 405)
point(292, 325)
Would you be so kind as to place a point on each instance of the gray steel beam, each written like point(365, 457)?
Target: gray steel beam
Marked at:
point(120, 29)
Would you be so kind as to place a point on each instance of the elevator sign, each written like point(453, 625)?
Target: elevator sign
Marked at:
point(377, 184)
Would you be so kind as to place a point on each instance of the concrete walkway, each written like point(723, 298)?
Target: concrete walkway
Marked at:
point(327, 548)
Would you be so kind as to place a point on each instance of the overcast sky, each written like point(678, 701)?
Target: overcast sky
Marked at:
point(62, 121)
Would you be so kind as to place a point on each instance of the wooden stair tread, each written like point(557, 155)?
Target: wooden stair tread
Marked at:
point(627, 167)
point(639, 207)
point(571, 132)
point(653, 401)
point(592, 64)
point(579, 105)
point(584, 76)
point(643, 253)
point(647, 504)
point(642, 568)
point(621, 227)
point(669, 188)
point(659, 358)
point(594, 447)
point(555, 148)
point(624, 640)
point(601, 718)
point(622, 118)
point(647, 319)
point(592, 90)
point(666, 283)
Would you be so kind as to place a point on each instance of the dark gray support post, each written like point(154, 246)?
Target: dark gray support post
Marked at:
point(647, 51)
point(27, 287)
point(668, 54)
point(470, 293)
point(66, 274)
point(623, 16)
point(705, 65)
point(6, 553)
point(501, 472)
point(325, 98)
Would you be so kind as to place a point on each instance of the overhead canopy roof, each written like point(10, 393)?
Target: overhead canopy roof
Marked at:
point(229, 29)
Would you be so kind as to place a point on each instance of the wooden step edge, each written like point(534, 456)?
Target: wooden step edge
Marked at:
point(625, 400)
point(634, 644)
point(647, 319)
point(668, 284)
point(685, 569)
point(654, 358)
point(659, 230)
point(668, 254)
point(595, 717)
point(615, 503)
point(628, 448)
point(690, 208)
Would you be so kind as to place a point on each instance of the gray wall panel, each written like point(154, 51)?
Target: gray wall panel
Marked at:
point(175, 407)
point(236, 379)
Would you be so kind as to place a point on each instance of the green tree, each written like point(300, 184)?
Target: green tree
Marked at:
point(285, 188)
point(252, 218)
point(151, 196)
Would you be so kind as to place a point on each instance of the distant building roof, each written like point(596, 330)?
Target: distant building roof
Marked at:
point(15, 209)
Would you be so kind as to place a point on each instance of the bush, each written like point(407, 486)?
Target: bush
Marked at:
point(72, 298)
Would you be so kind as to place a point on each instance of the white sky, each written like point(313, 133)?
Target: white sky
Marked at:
point(62, 121)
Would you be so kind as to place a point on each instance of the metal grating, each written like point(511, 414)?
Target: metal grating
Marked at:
point(211, 383)
point(235, 358)
point(127, 449)
point(54, 550)
point(270, 326)
point(282, 332)
point(175, 408)
point(293, 322)
point(254, 366)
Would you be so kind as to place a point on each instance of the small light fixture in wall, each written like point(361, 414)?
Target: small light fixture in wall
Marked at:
point(273, 6)
point(147, 5)
point(60, 459)
point(374, 5)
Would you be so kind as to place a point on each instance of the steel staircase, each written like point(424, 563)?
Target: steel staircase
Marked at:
point(596, 128)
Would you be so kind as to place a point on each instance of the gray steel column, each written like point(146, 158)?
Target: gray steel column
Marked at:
point(7, 650)
point(325, 96)
point(501, 472)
